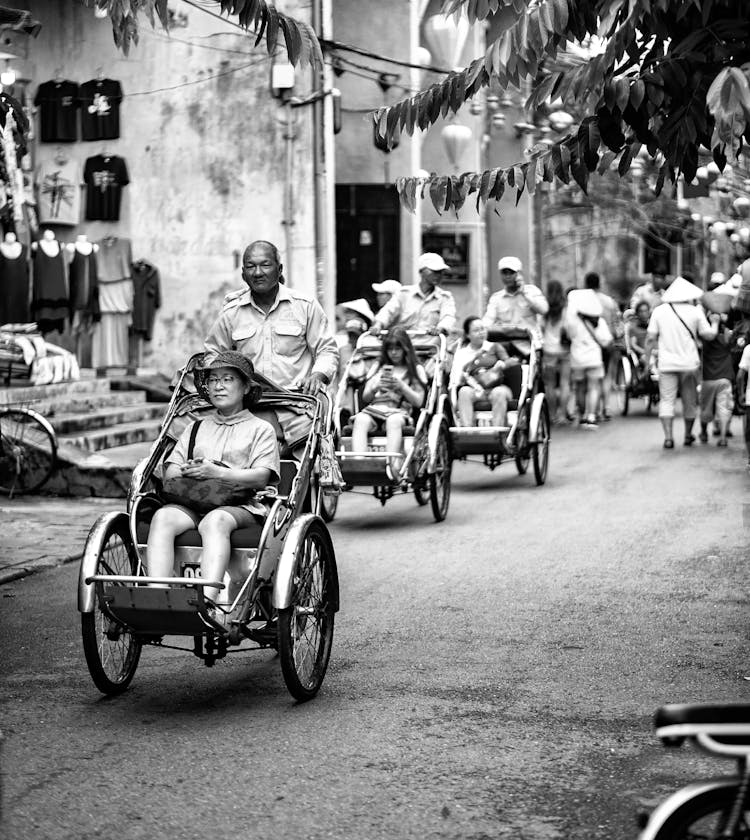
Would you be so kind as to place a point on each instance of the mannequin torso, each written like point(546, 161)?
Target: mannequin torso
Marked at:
point(10, 247)
point(82, 246)
point(48, 244)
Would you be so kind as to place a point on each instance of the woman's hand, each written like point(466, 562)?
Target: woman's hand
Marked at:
point(200, 469)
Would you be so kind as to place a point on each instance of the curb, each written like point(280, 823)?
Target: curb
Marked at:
point(10, 574)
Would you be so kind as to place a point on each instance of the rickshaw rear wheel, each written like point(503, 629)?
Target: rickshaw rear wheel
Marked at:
point(28, 450)
point(305, 627)
point(440, 480)
point(111, 652)
point(540, 453)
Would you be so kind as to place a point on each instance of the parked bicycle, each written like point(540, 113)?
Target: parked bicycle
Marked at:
point(28, 450)
point(706, 809)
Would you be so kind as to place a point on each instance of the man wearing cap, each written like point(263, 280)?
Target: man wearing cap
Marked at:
point(385, 291)
point(674, 328)
point(423, 306)
point(518, 304)
point(284, 332)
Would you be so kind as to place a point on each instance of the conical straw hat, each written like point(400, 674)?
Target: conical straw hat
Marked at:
point(682, 291)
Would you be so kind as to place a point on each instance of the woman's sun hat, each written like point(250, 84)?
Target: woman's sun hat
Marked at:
point(388, 287)
point(682, 291)
point(226, 359)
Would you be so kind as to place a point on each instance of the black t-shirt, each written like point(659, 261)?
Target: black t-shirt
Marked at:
point(104, 178)
point(57, 103)
point(100, 109)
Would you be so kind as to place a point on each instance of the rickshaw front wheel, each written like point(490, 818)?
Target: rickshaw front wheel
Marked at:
point(440, 480)
point(305, 628)
point(112, 653)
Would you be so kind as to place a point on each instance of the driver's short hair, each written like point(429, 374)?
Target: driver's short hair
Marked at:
point(273, 249)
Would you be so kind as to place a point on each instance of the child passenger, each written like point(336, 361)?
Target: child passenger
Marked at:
point(395, 386)
point(231, 444)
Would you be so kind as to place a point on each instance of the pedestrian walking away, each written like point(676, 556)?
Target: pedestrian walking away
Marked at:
point(674, 330)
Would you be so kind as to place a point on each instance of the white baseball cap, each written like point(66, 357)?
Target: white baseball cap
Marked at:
point(432, 261)
point(512, 263)
point(387, 286)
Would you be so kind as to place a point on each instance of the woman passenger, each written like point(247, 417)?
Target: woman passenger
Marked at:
point(232, 445)
point(556, 354)
point(477, 373)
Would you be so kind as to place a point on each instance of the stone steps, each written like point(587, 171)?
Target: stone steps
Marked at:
point(119, 434)
point(81, 422)
point(104, 428)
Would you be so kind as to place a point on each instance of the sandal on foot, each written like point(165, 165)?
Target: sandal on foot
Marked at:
point(669, 443)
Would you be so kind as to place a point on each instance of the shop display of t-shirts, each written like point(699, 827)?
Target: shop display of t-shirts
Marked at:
point(100, 109)
point(59, 188)
point(14, 287)
point(58, 103)
point(146, 297)
point(49, 303)
point(104, 176)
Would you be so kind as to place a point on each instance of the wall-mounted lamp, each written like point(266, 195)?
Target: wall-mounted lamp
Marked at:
point(282, 80)
point(8, 75)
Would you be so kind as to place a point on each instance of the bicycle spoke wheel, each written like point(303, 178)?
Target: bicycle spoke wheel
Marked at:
point(27, 451)
point(540, 449)
point(440, 480)
point(305, 629)
point(705, 817)
point(112, 653)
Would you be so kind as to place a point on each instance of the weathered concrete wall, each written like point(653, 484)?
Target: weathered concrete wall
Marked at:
point(205, 148)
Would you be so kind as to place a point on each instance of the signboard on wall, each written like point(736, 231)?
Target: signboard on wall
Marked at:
point(454, 249)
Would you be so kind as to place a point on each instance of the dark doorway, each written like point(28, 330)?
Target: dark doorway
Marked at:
point(367, 238)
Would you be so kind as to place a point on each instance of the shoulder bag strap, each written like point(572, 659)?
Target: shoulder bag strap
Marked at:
point(671, 306)
point(191, 440)
point(592, 331)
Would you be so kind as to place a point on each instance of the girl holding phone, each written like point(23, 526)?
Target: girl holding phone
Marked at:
point(395, 386)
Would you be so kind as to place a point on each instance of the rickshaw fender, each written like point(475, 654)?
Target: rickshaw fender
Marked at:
point(87, 591)
point(679, 798)
point(538, 405)
point(284, 577)
point(628, 370)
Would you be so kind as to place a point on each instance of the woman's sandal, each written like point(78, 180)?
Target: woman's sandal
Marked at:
point(669, 443)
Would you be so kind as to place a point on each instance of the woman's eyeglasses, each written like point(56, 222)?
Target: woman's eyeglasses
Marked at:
point(226, 381)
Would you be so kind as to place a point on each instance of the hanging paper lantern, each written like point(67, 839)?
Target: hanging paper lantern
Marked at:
point(498, 119)
point(455, 139)
point(423, 56)
point(475, 108)
point(446, 38)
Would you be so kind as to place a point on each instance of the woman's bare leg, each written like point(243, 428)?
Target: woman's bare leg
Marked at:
point(168, 522)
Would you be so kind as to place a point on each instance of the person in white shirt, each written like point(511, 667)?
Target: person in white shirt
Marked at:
point(423, 306)
point(674, 330)
point(518, 304)
point(589, 334)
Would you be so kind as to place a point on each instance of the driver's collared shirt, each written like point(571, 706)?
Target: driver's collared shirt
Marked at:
point(285, 344)
point(516, 310)
point(412, 309)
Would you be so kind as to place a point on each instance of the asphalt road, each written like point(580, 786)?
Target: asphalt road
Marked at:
point(493, 676)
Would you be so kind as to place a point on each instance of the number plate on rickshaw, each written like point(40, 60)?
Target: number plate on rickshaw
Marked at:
point(190, 569)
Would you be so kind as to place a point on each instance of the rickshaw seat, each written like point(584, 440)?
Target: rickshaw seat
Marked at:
point(248, 537)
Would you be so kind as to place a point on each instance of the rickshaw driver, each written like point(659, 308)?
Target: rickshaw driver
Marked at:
point(284, 333)
point(423, 306)
point(517, 305)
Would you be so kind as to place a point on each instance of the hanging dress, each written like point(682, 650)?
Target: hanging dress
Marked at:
point(49, 304)
point(14, 288)
point(84, 289)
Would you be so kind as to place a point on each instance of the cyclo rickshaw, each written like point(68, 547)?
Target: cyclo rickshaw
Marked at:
point(281, 588)
point(526, 436)
point(631, 382)
point(427, 465)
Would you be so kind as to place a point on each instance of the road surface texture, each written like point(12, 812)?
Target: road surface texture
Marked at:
point(492, 676)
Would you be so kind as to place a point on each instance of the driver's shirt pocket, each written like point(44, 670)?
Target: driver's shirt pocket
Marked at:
point(288, 337)
point(244, 336)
